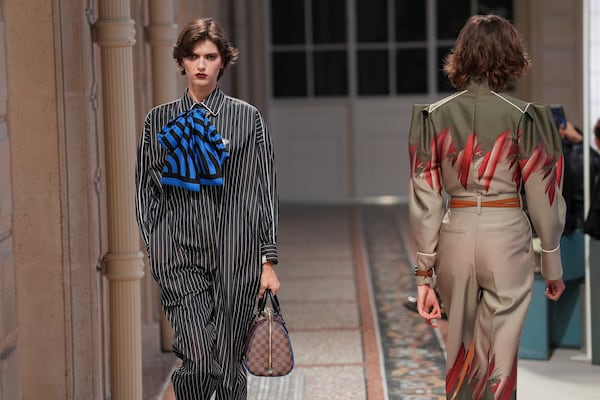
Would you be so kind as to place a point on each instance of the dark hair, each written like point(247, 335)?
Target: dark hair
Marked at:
point(200, 30)
point(489, 48)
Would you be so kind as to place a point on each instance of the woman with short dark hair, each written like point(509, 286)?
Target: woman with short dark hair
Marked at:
point(482, 149)
point(208, 212)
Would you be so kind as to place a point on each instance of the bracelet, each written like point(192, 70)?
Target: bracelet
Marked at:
point(551, 251)
point(420, 272)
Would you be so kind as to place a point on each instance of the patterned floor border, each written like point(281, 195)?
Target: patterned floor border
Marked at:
point(412, 356)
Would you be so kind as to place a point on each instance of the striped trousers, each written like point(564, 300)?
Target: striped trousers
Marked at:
point(209, 320)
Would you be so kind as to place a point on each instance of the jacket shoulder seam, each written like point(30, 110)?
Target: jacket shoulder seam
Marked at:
point(443, 101)
point(507, 100)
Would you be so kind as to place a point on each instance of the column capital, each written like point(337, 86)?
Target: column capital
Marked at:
point(114, 32)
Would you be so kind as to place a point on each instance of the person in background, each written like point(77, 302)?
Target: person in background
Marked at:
point(573, 189)
point(597, 135)
point(572, 142)
point(592, 221)
point(207, 210)
point(482, 147)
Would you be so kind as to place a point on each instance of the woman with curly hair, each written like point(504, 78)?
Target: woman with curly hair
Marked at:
point(473, 156)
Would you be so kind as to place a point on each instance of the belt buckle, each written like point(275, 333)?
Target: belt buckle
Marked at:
point(478, 203)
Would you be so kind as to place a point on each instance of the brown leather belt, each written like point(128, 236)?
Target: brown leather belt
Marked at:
point(512, 202)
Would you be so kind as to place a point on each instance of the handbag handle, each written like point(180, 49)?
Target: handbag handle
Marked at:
point(263, 302)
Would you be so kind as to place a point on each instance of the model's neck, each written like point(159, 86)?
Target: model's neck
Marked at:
point(199, 95)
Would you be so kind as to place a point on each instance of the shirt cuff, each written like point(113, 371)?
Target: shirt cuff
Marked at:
point(268, 253)
point(551, 264)
point(425, 262)
point(423, 280)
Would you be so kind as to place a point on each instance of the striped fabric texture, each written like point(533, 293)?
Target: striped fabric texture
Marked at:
point(205, 247)
point(196, 152)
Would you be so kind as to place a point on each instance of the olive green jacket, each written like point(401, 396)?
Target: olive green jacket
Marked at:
point(478, 141)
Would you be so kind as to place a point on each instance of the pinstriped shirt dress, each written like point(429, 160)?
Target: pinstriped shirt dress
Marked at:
point(206, 248)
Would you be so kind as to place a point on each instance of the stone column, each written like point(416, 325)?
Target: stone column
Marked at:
point(115, 34)
point(161, 34)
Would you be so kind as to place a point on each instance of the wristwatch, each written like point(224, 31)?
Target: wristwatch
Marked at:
point(421, 272)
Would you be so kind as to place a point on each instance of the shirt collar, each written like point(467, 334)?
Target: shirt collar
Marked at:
point(212, 103)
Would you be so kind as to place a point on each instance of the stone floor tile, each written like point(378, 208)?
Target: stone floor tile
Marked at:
point(335, 383)
point(318, 289)
point(326, 347)
point(321, 315)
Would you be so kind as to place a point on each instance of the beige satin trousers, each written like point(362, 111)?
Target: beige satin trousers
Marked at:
point(485, 277)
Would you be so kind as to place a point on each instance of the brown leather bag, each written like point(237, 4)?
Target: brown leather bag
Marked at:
point(268, 349)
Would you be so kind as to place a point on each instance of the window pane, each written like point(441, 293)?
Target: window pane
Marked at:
point(411, 71)
point(329, 21)
point(503, 8)
point(371, 21)
point(289, 74)
point(373, 72)
point(451, 16)
point(287, 22)
point(443, 83)
point(331, 73)
point(411, 22)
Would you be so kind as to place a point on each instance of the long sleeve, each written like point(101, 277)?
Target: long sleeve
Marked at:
point(541, 164)
point(425, 200)
point(150, 160)
point(269, 203)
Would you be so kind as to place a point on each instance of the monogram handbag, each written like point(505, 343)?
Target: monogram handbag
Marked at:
point(268, 349)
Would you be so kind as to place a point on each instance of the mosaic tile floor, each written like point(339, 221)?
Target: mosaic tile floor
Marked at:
point(413, 358)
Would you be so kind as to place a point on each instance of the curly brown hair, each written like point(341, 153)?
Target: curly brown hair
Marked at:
point(489, 48)
point(199, 30)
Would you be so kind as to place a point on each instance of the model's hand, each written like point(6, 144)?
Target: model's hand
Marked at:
point(268, 279)
point(554, 289)
point(428, 305)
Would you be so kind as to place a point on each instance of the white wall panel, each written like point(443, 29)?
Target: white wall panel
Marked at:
point(312, 150)
point(381, 165)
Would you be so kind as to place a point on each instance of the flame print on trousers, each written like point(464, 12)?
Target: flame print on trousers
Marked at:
point(464, 380)
point(541, 160)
